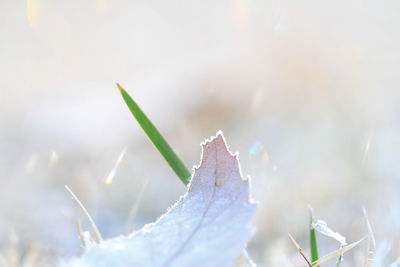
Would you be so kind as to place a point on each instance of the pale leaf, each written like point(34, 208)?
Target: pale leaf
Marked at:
point(208, 226)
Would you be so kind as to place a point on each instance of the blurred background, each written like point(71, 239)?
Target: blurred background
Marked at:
point(305, 91)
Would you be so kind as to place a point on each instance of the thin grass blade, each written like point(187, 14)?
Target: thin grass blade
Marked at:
point(93, 224)
point(156, 138)
point(313, 246)
point(299, 249)
point(313, 238)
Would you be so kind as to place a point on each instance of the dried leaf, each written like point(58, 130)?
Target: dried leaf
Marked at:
point(208, 226)
point(336, 253)
point(299, 249)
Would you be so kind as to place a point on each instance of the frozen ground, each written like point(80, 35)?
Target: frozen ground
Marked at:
point(306, 91)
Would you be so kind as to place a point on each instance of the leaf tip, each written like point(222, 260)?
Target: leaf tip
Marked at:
point(219, 137)
point(219, 141)
point(120, 88)
point(219, 134)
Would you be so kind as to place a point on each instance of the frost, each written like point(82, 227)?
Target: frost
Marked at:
point(322, 227)
point(208, 226)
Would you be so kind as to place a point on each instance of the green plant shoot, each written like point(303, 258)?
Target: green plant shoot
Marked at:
point(313, 246)
point(156, 138)
point(313, 238)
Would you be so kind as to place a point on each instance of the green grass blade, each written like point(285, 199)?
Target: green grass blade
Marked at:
point(313, 237)
point(156, 138)
point(313, 245)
